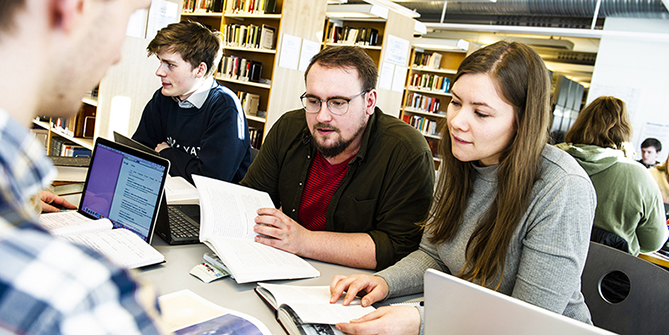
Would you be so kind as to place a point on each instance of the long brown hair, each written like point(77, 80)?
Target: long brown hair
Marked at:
point(604, 123)
point(521, 78)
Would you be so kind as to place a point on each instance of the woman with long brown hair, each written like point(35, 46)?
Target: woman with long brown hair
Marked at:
point(510, 212)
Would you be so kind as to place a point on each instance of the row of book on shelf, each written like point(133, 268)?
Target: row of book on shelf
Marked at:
point(338, 33)
point(255, 135)
point(431, 82)
point(239, 68)
point(250, 6)
point(250, 102)
point(423, 103)
point(431, 61)
point(202, 6)
point(230, 6)
point(63, 147)
point(249, 36)
point(424, 125)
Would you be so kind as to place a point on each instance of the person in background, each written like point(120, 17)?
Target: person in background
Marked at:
point(52, 53)
point(194, 121)
point(350, 182)
point(650, 148)
point(510, 213)
point(659, 173)
point(629, 204)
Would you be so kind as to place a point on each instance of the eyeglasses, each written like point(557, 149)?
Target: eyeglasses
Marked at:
point(336, 106)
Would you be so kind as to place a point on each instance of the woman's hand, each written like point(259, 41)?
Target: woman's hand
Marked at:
point(401, 320)
point(375, 288)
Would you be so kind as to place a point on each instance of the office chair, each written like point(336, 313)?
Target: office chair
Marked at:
point(643, 311)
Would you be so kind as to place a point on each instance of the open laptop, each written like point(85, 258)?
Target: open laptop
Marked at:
point(176, 224)
point(457, 306)
point(124, 185)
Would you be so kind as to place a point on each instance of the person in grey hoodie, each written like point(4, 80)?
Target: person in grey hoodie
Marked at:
point(629, 203)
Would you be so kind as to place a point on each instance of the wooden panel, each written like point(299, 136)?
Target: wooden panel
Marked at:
point(134, 78)
point(304, 19)
point(399, 26)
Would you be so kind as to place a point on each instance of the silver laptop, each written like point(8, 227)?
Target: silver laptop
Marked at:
point(455, 306)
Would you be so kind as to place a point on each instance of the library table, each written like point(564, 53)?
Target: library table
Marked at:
point(173, 276)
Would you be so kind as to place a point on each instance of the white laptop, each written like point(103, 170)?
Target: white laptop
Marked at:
point(455, 306)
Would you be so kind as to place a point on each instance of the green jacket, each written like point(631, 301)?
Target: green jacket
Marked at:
point(387, 189)
point(629, 202)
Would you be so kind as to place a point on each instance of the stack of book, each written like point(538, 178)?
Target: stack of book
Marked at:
point(63, 147)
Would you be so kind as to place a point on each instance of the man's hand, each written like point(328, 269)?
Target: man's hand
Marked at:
point(162, 146)
point(50, 201)
point(281, 231)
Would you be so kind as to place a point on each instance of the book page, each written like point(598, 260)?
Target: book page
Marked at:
point(249, 261)
point(183, 309)
point(121, 246)
point(227, 209)
point(312, 303)
point(72, 222)
point(179, 191)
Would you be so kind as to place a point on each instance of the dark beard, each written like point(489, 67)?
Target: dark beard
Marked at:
point(340, 146)
point(333, 151)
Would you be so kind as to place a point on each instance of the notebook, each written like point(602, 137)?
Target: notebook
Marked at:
point(124, 185)
point(461, 307)
point(176, 224)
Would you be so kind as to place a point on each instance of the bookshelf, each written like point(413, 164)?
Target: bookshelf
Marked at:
point(427, 92)
point(278, 88)
point(394, 27)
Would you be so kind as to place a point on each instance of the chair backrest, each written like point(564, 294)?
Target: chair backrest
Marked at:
point(643, 310)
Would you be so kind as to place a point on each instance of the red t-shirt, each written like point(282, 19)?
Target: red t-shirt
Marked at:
point(322, 181)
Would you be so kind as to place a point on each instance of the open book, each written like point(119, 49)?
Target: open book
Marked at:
point(307, 309)
point(227, 213)
point(121, 246)
point(185, 312)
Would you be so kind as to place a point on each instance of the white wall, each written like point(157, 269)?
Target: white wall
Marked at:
point(635, 68)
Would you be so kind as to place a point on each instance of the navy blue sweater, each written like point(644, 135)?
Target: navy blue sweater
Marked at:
point(212, 141)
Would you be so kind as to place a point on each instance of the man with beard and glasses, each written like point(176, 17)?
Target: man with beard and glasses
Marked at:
point(350, 182)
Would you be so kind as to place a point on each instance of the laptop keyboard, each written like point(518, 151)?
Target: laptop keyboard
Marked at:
point(180, 224)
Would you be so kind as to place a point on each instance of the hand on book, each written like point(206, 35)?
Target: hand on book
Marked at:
point(374, 287)
point(52, 203)
point(385, 320)
point(280, 231)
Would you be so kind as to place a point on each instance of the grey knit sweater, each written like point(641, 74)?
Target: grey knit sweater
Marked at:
point(547, 252)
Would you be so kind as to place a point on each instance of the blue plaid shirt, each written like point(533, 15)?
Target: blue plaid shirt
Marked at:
point(47, 285)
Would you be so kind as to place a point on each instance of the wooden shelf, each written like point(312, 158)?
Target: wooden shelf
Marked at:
point(368, 47)
point(265, 51)
point(422, 112)
point(427, 91)
point(203, 14)
point(427, 69)
point(244, 82)
point(256, 118)
point(90, 100)
point(84, 142)
point(253, 16)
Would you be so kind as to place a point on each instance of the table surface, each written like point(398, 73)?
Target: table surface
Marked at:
point(173, 276)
